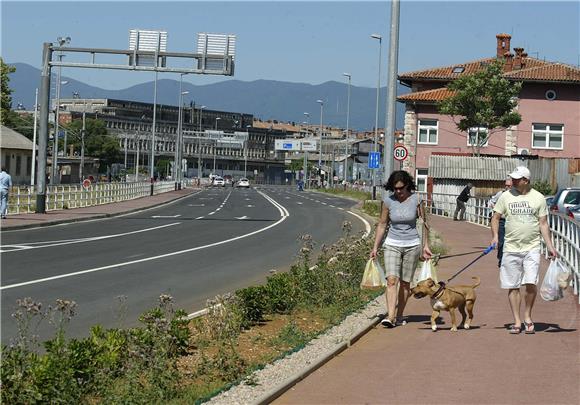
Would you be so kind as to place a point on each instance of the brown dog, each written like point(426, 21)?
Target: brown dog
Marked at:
point(448, 299)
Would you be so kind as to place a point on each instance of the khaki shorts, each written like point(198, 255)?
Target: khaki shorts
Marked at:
point(402, 261)
point(519, 268)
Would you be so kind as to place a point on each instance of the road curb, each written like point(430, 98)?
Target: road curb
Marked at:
point(90, 218)
point(285, 385)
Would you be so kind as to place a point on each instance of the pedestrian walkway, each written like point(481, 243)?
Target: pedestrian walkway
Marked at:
point(485, 365)
point(20, 221)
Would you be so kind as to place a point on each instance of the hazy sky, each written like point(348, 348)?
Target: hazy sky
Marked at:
point(308, 42)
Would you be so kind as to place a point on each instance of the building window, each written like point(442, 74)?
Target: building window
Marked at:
point(29, 165)
point(428, 132)
point(18, 164)
point(473, 140)
point(548, 136)
point(421, 179)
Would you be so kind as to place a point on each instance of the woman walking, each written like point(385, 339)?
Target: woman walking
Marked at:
point(402, 245)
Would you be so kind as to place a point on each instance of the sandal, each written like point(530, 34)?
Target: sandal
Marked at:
point(514, 330)
point(387, 323)
point(530, 329)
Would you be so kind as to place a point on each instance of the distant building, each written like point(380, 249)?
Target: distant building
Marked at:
point(16, 155)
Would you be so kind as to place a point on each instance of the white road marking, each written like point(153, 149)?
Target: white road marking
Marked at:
point(166, 216)
point(299, 203)
point(196, 205)
point(244, 217)
point(199, 217)
point(367, 225)
point(82, 240)
point(283, 213)
point(250, 206)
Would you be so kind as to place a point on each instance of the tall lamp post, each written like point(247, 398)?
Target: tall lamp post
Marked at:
point(375, 143)
point(321, 130)
point(246, 151)
point(215, 144)
point(199, 172)
point(179, 138)
point(305, 179)
point(61, 42)
point(32, 173)
point(348, 75)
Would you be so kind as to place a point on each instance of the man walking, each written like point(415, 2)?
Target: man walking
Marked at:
point(525, 213)
point(491, 204)
point(461, 200)
point(5, 184)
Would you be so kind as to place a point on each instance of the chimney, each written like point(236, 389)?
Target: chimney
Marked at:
point(519, 61)
point(503, 44)
point(509, 61)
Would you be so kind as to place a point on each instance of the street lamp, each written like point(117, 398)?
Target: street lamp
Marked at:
point(375, 143)
point(307, 115)
point(246, 151)
point(320, 149)
point(61, 42)
point(199, 173)
point(215, 145)
point(348, 75)
point(179, 140)
point(32, 173)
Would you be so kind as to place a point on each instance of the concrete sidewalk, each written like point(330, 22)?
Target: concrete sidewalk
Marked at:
point(485, 365)
point(21, 221)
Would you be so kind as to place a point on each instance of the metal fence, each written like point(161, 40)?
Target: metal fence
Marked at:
point(22, 199)
point(565, 230)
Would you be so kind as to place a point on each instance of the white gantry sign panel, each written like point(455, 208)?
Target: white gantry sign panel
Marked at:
point(145, 40)
point(287, 144)
point(309, 146)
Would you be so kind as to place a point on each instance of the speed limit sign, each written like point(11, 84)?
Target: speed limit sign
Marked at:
point(400, 152)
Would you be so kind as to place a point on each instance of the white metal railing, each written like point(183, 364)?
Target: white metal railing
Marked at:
point(565, 231)
point(22, 199)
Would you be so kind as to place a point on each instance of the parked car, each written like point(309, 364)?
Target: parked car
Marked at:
point(218, 182)
point(549, 200)
point(574, 212)
point(564, 198)
point(243, 183)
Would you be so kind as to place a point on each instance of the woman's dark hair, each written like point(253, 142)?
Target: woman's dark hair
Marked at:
point(400, 176)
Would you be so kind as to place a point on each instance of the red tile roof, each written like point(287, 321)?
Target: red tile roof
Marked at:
point(446, 73)
point(554, 72)
point(427, 95)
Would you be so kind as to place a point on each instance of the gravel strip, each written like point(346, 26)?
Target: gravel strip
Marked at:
point(275, 378)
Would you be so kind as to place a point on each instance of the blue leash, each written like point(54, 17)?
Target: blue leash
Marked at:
point(486, 251)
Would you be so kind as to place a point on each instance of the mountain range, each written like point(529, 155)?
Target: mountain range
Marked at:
point(265, 99)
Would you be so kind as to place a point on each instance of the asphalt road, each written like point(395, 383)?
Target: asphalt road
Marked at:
point(213, 242)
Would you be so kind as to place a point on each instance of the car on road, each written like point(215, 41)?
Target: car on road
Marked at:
point(243, 183)
point(565, 198)
point(574, 212)
point(218, 182)
point(549, 200)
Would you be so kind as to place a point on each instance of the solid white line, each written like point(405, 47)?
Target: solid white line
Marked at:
point(367, 225)
point(283, 212)
point(91, 239)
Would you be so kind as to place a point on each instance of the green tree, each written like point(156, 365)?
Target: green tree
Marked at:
point(485, 101)
point(98, 143)
point(6, 114)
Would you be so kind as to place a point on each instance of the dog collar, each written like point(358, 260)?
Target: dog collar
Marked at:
point(439, 291)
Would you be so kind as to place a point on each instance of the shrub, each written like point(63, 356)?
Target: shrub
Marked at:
point(543, 187)
point(254, 303)
point(281, 293)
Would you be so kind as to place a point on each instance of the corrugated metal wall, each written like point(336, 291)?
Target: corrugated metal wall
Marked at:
point(452, 171)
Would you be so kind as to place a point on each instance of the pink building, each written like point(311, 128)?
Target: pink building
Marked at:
point(549, 104)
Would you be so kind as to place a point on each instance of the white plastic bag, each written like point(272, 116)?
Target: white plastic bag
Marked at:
point(427, 271)
point(563, 275)
point(550, 289)
point(374, 276)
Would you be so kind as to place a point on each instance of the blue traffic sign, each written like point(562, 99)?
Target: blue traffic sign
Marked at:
point(287, 146)
point(374, 160)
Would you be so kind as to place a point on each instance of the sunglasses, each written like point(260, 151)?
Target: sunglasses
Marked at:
point(400, 188)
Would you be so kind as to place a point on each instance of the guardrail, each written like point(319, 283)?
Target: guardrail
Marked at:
point(22, 199)
point(565, 231)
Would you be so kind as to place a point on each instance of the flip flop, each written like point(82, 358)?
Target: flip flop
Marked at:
point(387, 323)
point(514, 330)
point(529, 328)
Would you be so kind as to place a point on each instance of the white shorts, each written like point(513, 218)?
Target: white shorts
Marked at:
point(519, 268)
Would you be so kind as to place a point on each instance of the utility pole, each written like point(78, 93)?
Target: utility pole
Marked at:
point(391, 90)
point(32, 171)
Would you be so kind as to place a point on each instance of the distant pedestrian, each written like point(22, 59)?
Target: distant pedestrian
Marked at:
point(461, 200)
point(402, 246)
point(501, 235)
point(5, 184)
point(525, 213)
